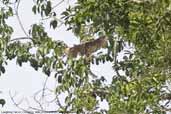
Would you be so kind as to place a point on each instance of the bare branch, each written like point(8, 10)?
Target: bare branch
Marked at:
point(20, 38)
point(37, 101)
point(57, 4)
point(44, 87)
point(17, 104)
point(93, 74)
point(58, 102)
point(19, 20)
point(44, 111)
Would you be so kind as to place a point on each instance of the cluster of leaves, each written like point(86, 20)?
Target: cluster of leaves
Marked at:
point(140, 88)
point(45, 9)
point(146, 26)
point(5, 34)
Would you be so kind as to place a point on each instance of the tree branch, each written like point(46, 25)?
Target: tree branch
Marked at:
point(37, 101)
point(44, 87)
point(21, 38)
point(19, 20)
point(57, 4)
point(17, 104)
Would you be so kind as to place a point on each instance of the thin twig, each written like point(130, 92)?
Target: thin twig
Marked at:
point(44, 111)
point(37, 101)
point(57, 4)
point(54, 111)
point(31, 112)
point(19, 20)
point(58, 102)
point(17, 104)
point(93, 74)
point(59, 20)
point(44, 87)
point(20, 38)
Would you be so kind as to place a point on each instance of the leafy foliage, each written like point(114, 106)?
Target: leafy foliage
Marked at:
point(144, 25)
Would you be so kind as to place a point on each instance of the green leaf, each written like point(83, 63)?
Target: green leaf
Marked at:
point(48, 8)
point(2, 69)
point(46, 70)
point(65, 13)
point(2, 102)
point(34, 9)
point(53, 23)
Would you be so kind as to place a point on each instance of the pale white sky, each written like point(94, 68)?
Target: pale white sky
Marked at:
point(25, 81)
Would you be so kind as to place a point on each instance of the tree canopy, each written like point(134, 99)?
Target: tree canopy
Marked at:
point(141, 29)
